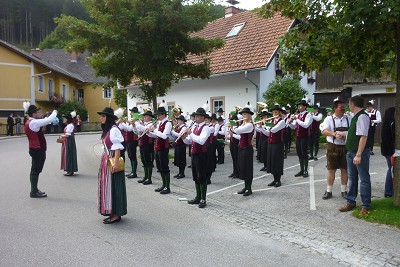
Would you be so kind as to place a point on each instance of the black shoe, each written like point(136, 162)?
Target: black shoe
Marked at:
point(165, 191)
point(372, 153)
point(220, 163)
point(181, 175)
point(147, 182)
point(158, 171)
point(142, 181)
point(278, 184)
point(231, 176)
point(305, 174)
point(248, 193)
point(209, 182)
point(241, 192)
point(310, 157)
point(272, 183)
point(300, 173)
point(111, 222)
point(176, 176)
point(37, 195)
point(159, 189)
point(327, 195)
point(190, 166)
point(344, 194)
point(42, 193)
point(202, 204)
point(315, 158)
point(131, 176)
point(263, 169)
point(388, 195)
point(194, 201)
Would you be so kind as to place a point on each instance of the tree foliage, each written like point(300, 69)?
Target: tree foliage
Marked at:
point(120, 97)
point(145, 40)
point(283, 91)
point(70, 106)
point(363, 35)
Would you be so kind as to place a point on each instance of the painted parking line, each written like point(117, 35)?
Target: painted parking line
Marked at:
point(259, 177)
point(312, 189)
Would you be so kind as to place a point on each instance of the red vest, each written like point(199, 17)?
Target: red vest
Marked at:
point(245, 139)
point(211, 137)
point(36, 139)
point(197, 148)
point(161, 144)
point(276, 138)
point(220, 136)
point(128, 136)
point(300, 131)
point(180, 141)
point(372, 115)
point(315, 124)
point(262, 136)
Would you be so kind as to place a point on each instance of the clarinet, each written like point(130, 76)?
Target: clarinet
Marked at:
point(184, 132)
point(146, 130)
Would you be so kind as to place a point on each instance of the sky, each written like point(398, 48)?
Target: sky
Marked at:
point(246, 4)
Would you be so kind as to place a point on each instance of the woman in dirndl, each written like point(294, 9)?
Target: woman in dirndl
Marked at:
point(245, 155)
point(111, 184)
point(276, 146)
point(69, 159)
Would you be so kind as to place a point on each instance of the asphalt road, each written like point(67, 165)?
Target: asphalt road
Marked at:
point(273, 227)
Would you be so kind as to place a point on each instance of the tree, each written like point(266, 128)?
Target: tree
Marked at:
point(363, 35)
point(70, 106)
point(145, 40)
point(283, 91)
point(120, 97)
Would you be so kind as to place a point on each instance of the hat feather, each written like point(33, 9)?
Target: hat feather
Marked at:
point(26, 105)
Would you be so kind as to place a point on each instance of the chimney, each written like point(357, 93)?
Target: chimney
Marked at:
point(36, 53)
point(231, 10)
point(74, 57)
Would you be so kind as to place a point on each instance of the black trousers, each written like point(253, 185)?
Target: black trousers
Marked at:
point(220, 151)
point(301, 147)
point(10, 129)
point(199, 162)
point(146, 155)
point(314, 142)
point(162, 160)
point(131, 149)
point(38, 158)
point(234, 148)
point(371, 136)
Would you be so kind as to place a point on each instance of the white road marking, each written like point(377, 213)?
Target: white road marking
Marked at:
point(312, 189)
point(259, 177)
point(288, 185)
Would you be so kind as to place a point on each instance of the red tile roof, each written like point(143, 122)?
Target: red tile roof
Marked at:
point(251, 48)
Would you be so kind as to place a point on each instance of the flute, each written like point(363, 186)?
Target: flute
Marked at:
point(147, 130)
point(184, 132)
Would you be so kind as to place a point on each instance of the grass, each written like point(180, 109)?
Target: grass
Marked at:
point(383, 211)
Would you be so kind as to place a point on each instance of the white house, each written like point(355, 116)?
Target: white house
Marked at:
point(241, 70)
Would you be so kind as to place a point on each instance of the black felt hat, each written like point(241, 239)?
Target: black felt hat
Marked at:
point(246, 110)
point(220, 110)
point(276, 107)
point(32, 109)
point(181, 117)
point(220, 119)
point(109, 112)
point(68, 116)
point(302, 102)
point(214, 116)
point(264, 113)
point(161, 110)
point(134, 110)
point(148, 113)
point(200, 111)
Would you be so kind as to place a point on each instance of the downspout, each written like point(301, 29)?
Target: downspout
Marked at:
point(257, 87)
point(32, 81)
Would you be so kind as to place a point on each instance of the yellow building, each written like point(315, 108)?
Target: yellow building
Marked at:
point(48, 76)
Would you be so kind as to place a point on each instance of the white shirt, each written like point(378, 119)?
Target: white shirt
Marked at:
point(362, 125)
point(222, 129)
point(163, 134)
point(305, 124)
point(116, 139)
point(200, 139)
point(244, 128)
point(276, 128)
point(339, 122)
point(36, 124)
point(177, 134)
point(317, 117)
point(69, 129)
point(378, 116)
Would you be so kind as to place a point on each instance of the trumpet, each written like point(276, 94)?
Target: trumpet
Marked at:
point(261, 106)
point(184, 132)
point(147, 130)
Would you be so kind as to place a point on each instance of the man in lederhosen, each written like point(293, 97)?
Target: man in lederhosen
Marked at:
point(375, 117)
point(301, 122)
point(335, 128)
point(220, 135)
point(315, 132)
point(145, 143)
point(263, 139)
point(180, 146)
point(37, 146)
point(198, 139)
point(161, 148)
point(131, 144)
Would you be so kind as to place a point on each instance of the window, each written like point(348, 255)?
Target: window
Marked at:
point(41, 84)
point(80, 95)
point(217, 103)
point(64, 91)
point(107, 93)
point(51, 88)
point(235, 30)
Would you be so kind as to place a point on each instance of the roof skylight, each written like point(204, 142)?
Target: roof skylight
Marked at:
point(235, 30)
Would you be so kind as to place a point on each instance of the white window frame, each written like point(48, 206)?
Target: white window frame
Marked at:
point(64, 91)
point(215, 99)
point(235, 30)
point(107, 93)
point(40, 84)
point(50, 84)
point(80, 98)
